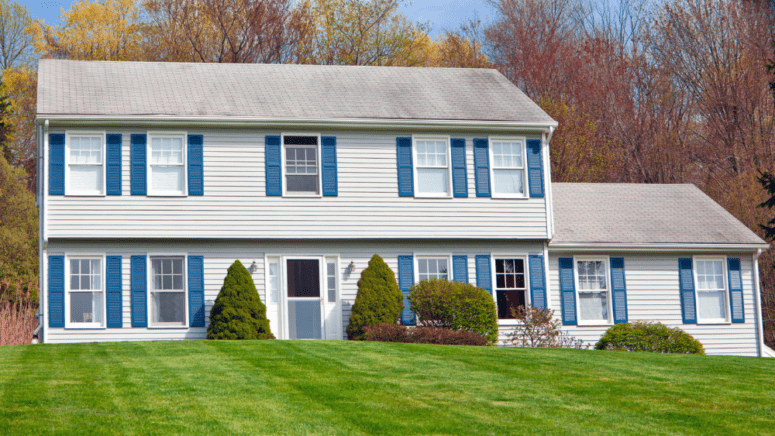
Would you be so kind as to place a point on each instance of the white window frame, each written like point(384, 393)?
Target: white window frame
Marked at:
point(525, 188)
point(419, 256)
point(68, 141)
point(270, 258)
point(607, 263)
point(149, 156)
point(286, 193)
point(149, 279)
point(415, 166)
point(724, 275)
point(528, 301)
point(85, 325)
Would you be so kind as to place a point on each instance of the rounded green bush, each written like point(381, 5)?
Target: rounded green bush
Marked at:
point(238, 312)
point(456, 306)
point(378, 300)
point(647, 336)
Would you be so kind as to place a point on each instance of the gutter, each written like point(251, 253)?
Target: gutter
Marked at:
point(42, 233)
point(597, 246)
point(548, 182)
point(348, 123)
point(757, 295)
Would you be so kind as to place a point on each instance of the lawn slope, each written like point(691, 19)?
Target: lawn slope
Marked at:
point(357, 388)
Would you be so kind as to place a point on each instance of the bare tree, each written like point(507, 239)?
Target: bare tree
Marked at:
point(16, 44)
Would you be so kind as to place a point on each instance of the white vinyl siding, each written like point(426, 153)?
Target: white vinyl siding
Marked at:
point(235, 204)
point(85, 162)
point(653, 294)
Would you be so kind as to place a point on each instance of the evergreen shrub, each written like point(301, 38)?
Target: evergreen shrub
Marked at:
point(455, 306)
point(238, 312)
point(647, 336)
point(422, 335)
point(378, 300)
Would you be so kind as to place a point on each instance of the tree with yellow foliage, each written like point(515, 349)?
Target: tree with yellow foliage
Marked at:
point(364, 32)
point(99, 30)
point(20, 85)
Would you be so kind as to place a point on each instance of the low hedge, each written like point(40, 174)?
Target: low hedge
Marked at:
point(422, 335)
point(455, 306)
point(647, 336)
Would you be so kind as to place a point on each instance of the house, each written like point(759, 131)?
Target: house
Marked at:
point(155, 177)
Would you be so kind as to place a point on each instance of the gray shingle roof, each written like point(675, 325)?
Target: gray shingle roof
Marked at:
point(642, 214)
point(287, 92)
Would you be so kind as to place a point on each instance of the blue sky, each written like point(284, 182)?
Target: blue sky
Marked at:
point(442, 14)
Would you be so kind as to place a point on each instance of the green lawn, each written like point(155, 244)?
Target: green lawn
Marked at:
point(289, 387)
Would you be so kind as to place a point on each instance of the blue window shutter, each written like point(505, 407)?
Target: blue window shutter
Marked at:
point(618, 290)
point(196, 185)
point(537, 281)
point(137, 171)
point(535, 168)
point(56, 164)
point(56, 291)
point(482, 167)
point(274, 171)
point(460, 268)
point(405, 169)
point(686, 281)
point(328, 160)
point(405, 282)
point(568, 291)
point(115, 313)
point(113, 163)
point(139, 281)
point(196, 291)
point(483, 273)
point(735, 290)
point(459, 172)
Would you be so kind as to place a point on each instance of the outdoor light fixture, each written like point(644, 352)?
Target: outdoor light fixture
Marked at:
point(351, 267)
point(253, 267)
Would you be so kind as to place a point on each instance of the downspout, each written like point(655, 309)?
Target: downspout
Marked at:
point(42, 236)
point(549, 202)
point(757, 290)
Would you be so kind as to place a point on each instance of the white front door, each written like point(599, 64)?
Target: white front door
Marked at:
point(304, 301)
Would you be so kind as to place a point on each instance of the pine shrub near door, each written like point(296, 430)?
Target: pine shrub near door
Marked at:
point(648, 336)
point(456, 306)
point(238, 312)
point(378, 300)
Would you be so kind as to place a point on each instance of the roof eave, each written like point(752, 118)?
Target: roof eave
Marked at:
point(56, 120)
point(618, 246)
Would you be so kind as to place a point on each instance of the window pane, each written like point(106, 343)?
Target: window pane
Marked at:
point(168, 308)
point(86, 178)
point(273, 282)
point(432, 180)
point(507, 181)
point(167, 178)
point(304, 319)
point(86, 307)
point(303, 278)
point(508, 300)
point(177, 266)
point(593, 306)
point(331, 267)
point(302, 184)
point(422, 266)
point(712, 305)
point(85, 150)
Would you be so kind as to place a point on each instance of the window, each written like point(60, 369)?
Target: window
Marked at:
point(432, 268)
point(711, 290)
point(509, 286)
point(508, 168)
point(331, 279)
point(302, 171)
point(432, 167)
point(85, 169)
point(592, 291)
point(85, 296)
point(167, 166)
point(274, 281)
point(168, 292)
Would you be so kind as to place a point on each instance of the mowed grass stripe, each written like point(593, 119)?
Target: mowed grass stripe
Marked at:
point(352, 388)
